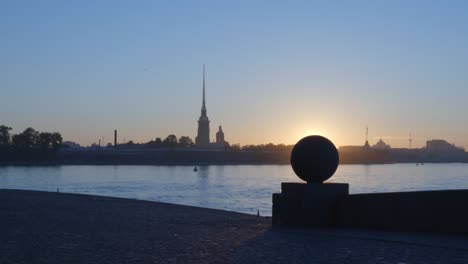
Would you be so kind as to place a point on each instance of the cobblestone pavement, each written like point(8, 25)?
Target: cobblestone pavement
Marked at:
point(39, 227)
point(342, 246)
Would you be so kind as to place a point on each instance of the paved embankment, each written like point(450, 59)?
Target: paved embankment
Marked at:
point(40, 227)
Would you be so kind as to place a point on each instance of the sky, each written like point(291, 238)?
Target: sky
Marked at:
point(275, 70)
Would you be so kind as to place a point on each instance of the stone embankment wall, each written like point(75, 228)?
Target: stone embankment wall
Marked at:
point(437, 211)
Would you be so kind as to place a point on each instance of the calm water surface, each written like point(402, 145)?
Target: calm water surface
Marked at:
point(236, 188)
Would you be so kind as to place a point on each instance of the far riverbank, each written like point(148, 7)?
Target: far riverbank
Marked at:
point(198, 157)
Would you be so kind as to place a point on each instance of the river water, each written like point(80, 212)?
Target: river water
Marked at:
point(241, 188)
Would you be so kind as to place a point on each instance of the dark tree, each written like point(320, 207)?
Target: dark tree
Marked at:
point(56, 141)
point(27, 140)
point(45, 141)
point(154, 143)
point(268, 147)
point(185, 141)
point(50, 141)
point(28, 145)
point(235, 147)
point(170, 140)
point(5, 137)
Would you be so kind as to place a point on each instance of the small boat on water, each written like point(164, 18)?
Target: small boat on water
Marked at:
point(195, 169)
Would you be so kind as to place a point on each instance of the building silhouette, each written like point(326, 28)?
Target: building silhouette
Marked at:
point(202, 140)
point(203, 136)
point(220, 136)
point(442, 146)
point(381, 145)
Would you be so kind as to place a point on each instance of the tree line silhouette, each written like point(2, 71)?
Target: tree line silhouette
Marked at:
point(187, 142)
point(28, 145)
point(267, 147)
point(171, 141)
point(34, 145)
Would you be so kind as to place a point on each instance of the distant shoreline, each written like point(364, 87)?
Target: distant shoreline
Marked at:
point(199, 157)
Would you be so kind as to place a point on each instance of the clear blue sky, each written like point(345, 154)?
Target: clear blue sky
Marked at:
point(275, 70)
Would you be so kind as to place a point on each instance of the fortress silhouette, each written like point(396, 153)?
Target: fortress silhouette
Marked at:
point(202, 139)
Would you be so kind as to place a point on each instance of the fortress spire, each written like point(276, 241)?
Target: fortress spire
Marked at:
point(203, 135)
point(203, 85)
point(203, 110)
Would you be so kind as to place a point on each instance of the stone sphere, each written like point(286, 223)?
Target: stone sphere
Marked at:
point(314, 159)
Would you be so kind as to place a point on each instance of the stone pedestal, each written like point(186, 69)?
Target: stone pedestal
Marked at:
point(308, 204)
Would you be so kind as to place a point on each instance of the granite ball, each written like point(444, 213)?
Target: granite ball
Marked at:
point(314, 159)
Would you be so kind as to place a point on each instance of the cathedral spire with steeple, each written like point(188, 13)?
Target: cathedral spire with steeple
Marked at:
point(203, 136)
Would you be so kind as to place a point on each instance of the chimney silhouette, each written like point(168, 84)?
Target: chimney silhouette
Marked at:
point(115, 138)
